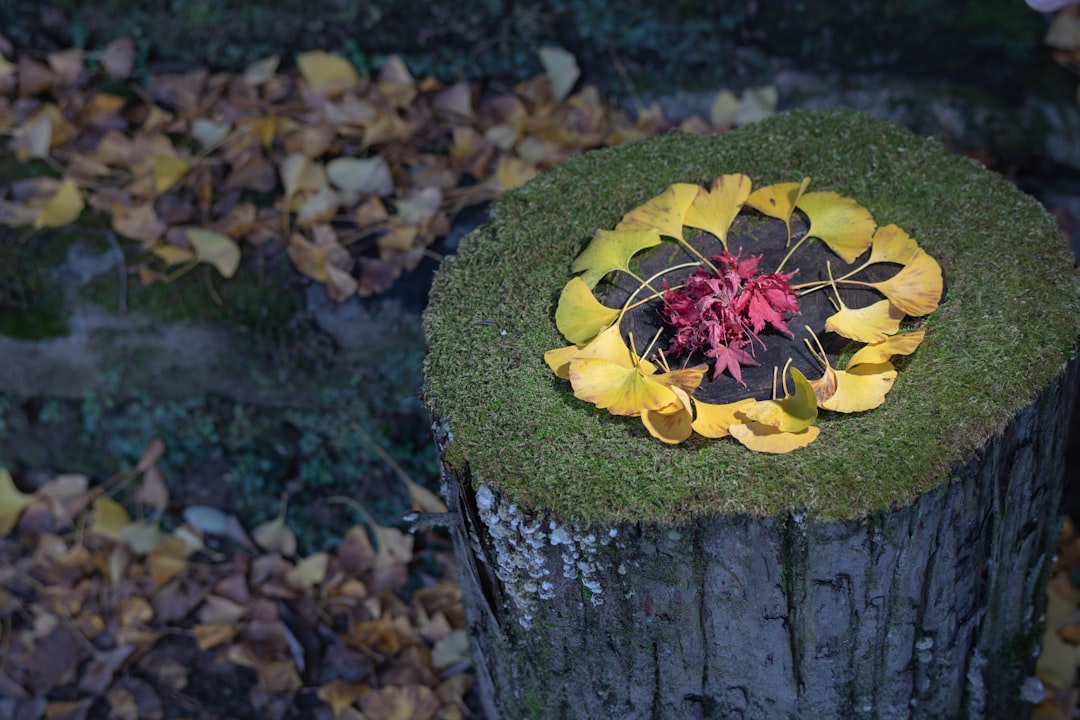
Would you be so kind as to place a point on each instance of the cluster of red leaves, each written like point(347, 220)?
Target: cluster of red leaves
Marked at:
point(102, 614)
point(723, 312)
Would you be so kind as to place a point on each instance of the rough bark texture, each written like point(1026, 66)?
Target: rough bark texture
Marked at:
point(929, 611)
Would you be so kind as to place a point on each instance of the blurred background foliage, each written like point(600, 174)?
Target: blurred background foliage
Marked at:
point(688, 43)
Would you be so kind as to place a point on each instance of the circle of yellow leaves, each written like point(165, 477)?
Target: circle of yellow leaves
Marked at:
point(604, 370)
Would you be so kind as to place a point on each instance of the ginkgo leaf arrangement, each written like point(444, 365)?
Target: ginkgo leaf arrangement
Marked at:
point(711, 304)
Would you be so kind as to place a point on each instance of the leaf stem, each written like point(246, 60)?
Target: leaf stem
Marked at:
point(791, 252)
point(644, 283)
point(701, 257)
point(650, 347)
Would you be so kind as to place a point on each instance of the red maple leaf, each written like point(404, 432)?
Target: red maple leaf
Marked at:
point(722, 312)
point(731, 359)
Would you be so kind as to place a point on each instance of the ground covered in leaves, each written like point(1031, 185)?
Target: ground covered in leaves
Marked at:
point(119, 601)
point(158, 614)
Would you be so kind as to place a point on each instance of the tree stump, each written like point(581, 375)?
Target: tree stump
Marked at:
point(893, 569)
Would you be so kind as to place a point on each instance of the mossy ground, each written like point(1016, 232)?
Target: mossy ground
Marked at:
point(1009, 324)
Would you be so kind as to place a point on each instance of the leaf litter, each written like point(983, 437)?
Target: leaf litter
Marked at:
point(354, 176)
point(121, 609)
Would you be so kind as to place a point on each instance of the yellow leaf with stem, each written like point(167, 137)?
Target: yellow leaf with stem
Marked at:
point(12, 502)
point(579, 315)
point(870, 324)
point(215, 249)
point(562, 70)
point(274, 535)
point(917, 288)
point(665, 213)
point(768, 439)
point(559, 360)
point(608, 345)
point(715, 209)
point(611, 250)
point(62, 208)
point(672, 424)
point(621, 390)
point(173, 254)
point(326, 73)
point(891, 244)
point(308, 572)
point(792, 414)
point(713, 420)
point(841, 223)
point(110, 519)
point(880, 352)
point(168, 169)
point(778, 201)
point(685, 379)
point(857, 389)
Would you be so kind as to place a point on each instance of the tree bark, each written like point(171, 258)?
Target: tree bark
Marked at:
point(927, 611)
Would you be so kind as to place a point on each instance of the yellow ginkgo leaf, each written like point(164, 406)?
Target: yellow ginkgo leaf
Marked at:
point(861, 388)
point(138, 222)
point(168, 169)
point(608, 345)
point(841, 223)
point(713, 421)
point(33, 139)
point(562, 70)
point(880, 352)
point(665, 213)
point(326, 73)
point(275, 536)
point(714, 210)
point(778, 201)
point(579, 315)
point(870, 324)
point(891, 244)
point(684, 379)
point(611, 250)
point(510, 172)
point(298, 172)
point(173, 254)
point(261, 71)
point(215, 249)
point(370, 176)
point(12, 502)
point(669, 427)
point(768, 439)
point(559, 360)
point(312, 258)
point(309, 572)
point(62, 208)
point(143, 537)
point(340, 284)
point(792, 414)
point(110, 519)
point(621, 390)
point(917, 288)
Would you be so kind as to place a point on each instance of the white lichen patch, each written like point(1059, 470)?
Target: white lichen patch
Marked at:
point(528, 554)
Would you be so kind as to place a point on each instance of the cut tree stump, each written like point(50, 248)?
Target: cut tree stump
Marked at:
point(894, 568)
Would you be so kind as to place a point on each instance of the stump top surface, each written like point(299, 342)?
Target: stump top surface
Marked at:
point(1008, 325)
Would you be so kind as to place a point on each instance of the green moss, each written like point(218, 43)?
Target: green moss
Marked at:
point(1007, 328)
point(267, 308)
point(33, 299)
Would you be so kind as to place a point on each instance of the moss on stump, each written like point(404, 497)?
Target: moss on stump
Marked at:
point(895, 568)
point(1007, 328)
